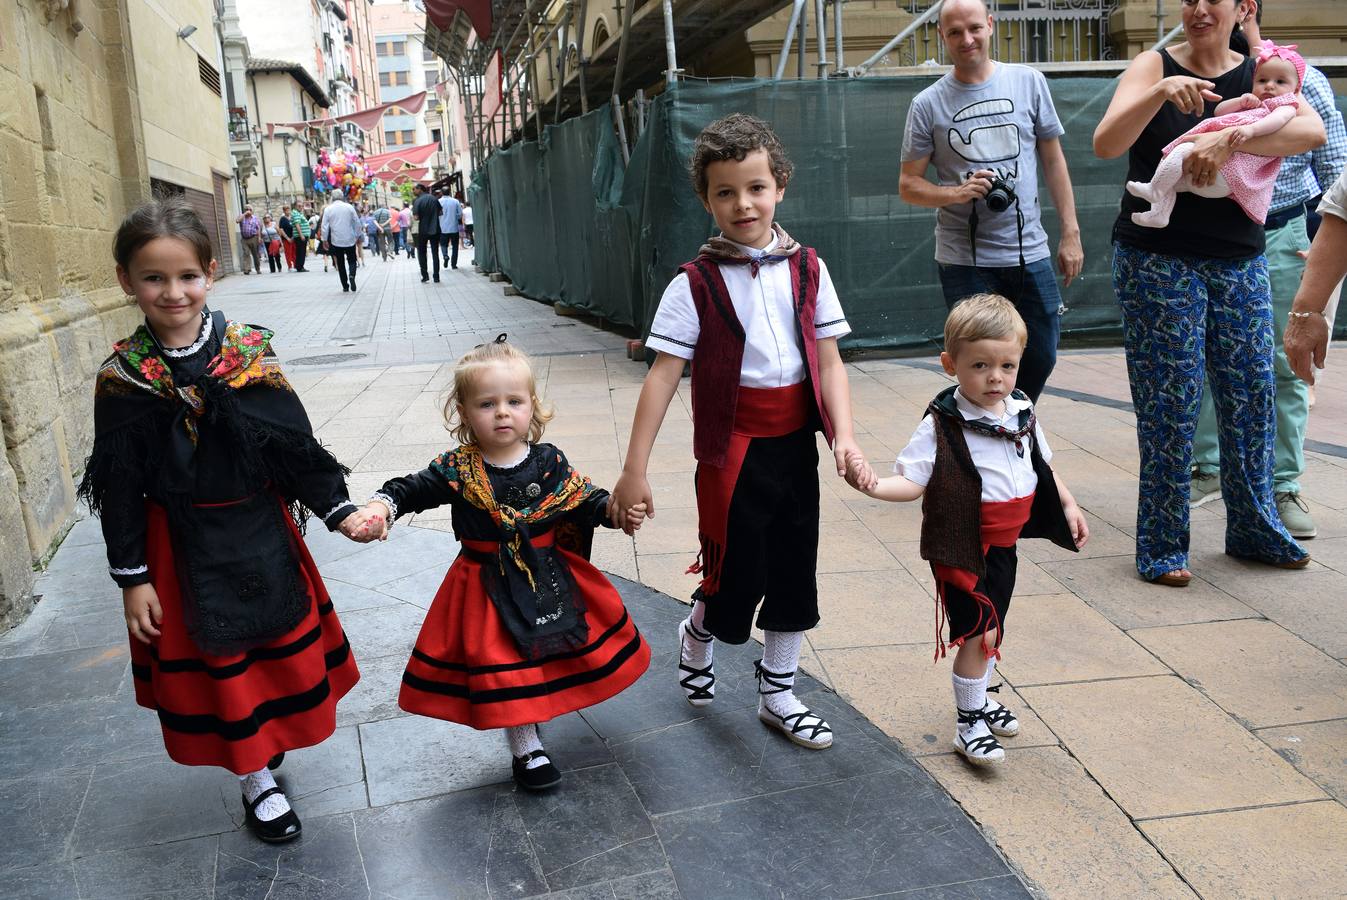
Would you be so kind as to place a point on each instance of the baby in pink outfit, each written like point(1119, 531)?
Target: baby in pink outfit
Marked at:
point(1245, 178)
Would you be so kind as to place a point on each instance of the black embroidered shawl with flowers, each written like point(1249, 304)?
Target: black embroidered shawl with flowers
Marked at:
point(220, 441)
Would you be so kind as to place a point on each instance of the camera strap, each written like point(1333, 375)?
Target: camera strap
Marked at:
point(973, 231)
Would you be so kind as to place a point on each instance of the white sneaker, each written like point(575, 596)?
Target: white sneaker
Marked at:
point(975, 742)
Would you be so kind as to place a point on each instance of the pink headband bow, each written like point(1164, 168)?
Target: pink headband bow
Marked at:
point(1286, 52)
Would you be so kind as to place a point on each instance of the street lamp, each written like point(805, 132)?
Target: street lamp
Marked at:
point(186, 31)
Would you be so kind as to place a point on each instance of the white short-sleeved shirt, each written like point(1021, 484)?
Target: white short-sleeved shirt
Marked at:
point(1334, 202)
point(1005, 475)
point(766, 310)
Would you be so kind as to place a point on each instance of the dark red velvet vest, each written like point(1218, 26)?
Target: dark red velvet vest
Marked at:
point(719, 355)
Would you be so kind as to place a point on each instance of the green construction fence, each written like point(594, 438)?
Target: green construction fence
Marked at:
point(567, 222)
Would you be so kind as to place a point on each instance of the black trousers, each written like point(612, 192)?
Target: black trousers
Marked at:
point(301, 249)
point(428, 243)
point(967, 618)
point(771, 546)
point(274, 261)
point(344, 259)
point(447, 240)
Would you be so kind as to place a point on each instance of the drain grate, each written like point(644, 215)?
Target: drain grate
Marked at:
point(326, 359)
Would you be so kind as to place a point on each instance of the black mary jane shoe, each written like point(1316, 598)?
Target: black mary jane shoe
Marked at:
point(275, 762)
point(277, 831)
point(539, 778)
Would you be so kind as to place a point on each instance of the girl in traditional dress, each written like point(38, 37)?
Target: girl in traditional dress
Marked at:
point(202, 465)
point(523, 628)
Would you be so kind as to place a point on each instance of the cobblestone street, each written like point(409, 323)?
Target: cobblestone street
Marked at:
point(1174, 743)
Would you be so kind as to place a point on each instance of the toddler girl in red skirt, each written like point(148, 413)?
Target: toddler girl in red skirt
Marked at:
point(203, 462)
point(523, 628)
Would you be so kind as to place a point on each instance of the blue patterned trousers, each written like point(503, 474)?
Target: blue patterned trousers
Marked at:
point(1181, 316)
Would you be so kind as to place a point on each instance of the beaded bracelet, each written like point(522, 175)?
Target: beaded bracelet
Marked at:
point(1304, 315)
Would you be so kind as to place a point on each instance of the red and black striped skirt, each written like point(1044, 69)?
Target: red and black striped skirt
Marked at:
point(467, 668)
point(239, 711)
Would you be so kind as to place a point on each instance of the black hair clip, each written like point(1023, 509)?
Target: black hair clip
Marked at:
point(500, 339)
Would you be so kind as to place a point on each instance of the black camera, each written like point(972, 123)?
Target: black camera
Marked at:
point(1000, 195)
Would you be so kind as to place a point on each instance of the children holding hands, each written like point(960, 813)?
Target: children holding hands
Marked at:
point(523, 628)
point(757, 316)
point(979, 461)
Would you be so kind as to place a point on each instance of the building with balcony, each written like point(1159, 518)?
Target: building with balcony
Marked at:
point(283, 91)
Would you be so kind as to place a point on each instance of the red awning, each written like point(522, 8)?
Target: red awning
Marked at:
point(407, 156)
point(414, 175)
point(441, 12)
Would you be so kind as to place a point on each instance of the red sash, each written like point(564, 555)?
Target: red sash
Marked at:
point(760, 412)
point(1001, 524)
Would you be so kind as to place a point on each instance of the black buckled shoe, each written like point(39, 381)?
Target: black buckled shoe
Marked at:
point(277, 831)
point(275, 762)
point(539, 778)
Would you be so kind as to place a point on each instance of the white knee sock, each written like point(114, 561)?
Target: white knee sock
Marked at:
point(696, 653)
point(991, 672)
point(255, 783)
point(781, 657)
point(969, 693)
point(523, 740)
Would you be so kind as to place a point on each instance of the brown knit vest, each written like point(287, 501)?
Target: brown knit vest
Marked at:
point(951, 507)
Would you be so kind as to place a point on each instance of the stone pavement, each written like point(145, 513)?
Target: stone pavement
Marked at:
point(1175, 742)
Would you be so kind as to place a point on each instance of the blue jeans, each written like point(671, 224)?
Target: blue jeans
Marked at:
point(1034, 292)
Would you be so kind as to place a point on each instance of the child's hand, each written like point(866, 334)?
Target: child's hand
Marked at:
point(859, 473)
point(632, 490)
point(635, 516)
point(143, 612)
point(1250, 101)
point(1080, 529)
point(843, 449)
point(1239, 135)
point(368, 523)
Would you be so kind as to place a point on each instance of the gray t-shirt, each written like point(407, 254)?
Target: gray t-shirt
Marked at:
point(993, 125)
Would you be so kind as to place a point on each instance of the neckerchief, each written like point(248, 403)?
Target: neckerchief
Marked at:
point(946, 405)
point(724, 250)
point(465, 469)
point(239, 362)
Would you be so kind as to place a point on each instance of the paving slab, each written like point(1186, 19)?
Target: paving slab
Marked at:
point(1150, 742)
point(1035, 653)
point(1063, 832)
point(1316, 750)
point(1257, 671)
point(1280, 851)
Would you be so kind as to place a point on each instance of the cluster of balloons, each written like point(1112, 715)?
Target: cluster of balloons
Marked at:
point(341, 171)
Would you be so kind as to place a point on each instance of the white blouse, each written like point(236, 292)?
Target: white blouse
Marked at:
point(766, 310)
point(1005, 475)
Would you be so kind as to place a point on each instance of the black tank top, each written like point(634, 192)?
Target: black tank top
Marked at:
point(1199, 226)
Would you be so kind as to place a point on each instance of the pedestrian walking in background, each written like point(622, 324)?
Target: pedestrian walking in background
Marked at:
point(451, 220)
point(370, 237)
point(250, 240)
point(395, 230)
point(316, 224)
point(468, 239)
point(234, 641)
point(384, 235)
point(287, 229)
point(408, 230)
point(302, 233)
point(524, 628)
point(427, 212)
point(341, 235)
point(271, 241)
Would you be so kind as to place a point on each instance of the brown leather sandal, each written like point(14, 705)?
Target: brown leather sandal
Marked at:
point(1172, 579)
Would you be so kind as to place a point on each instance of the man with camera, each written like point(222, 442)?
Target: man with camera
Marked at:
point(985, 126)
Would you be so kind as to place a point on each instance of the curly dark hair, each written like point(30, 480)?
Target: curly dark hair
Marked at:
point(734, 137)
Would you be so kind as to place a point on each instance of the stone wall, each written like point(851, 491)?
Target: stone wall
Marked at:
point(73, 156)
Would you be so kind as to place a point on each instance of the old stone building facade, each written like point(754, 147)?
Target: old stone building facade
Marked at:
point(73, 153)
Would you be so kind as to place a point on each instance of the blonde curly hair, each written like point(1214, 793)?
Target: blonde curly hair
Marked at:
point(983, 317)
point(497, 352)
